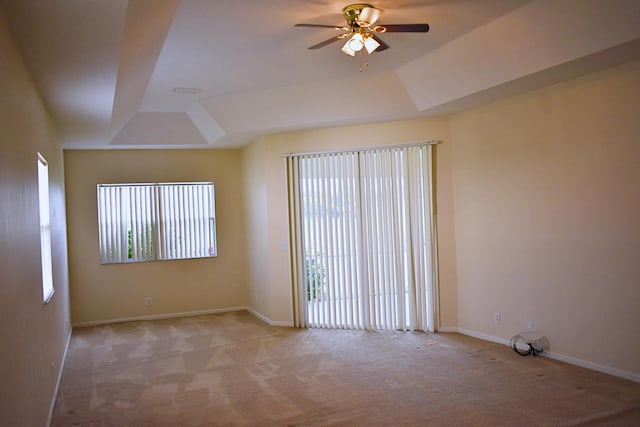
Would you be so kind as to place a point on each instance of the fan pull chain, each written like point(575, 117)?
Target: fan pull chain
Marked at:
point(364, 63)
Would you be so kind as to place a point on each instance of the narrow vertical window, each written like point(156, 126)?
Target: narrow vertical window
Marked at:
point(45, 229)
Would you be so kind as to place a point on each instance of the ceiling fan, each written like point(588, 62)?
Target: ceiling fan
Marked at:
point(361, 32)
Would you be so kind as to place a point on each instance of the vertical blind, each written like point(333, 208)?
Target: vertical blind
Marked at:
point(143, 222)
point(364, 242)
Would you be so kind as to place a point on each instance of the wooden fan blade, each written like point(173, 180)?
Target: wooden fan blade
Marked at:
point(326, 42)
point(335, 27)
point(383, 45)
point(406, 28)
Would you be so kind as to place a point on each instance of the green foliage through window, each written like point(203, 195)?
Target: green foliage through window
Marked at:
point(316, 276)
point(144, 242)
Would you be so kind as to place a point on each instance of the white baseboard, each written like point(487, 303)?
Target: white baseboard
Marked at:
point(593, 366)
point(283, 323)
point(52, 405)
point(159, 316)
point(268, 321)
point(551, 355)
point(448, 329)
point(482, 336)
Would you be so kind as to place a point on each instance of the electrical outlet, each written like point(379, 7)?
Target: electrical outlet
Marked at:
point(496, 317)
point(530, 324)
point(149, 300)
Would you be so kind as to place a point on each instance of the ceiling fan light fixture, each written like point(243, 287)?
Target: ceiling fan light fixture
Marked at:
point(368, 16)
point(356, 43)
point(371, 44)
point(346, 49)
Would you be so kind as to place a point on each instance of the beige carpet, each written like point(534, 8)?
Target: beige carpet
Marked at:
point(232, 369)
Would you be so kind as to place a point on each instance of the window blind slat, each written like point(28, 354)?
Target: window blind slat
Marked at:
point(121, 226)
point(173, 224)
point(189, 219)
point(328, 258)
point(134, 233)
point(340, 218)
point(314, 248)
point(201, 244)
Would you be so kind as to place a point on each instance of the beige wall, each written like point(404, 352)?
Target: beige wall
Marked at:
point(33, 335)
point(266, 156)
point(117, 291)
point(547, 201)
point(257, 220)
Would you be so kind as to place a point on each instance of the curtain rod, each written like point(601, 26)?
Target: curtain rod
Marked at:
point(376, 147)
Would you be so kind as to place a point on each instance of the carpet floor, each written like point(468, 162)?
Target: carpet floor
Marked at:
point(232, 369)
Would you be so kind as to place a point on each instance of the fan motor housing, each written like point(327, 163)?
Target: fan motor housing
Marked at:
point(352, 12)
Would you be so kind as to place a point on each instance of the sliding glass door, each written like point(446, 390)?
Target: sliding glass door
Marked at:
point(364, 239)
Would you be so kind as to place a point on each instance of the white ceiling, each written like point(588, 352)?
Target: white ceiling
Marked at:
point(107, 69)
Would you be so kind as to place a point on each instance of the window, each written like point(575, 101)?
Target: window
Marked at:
point(145, 222)
point(45, 229)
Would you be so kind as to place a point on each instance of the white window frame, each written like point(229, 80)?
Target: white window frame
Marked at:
point(156, 221)
point(45, 229)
